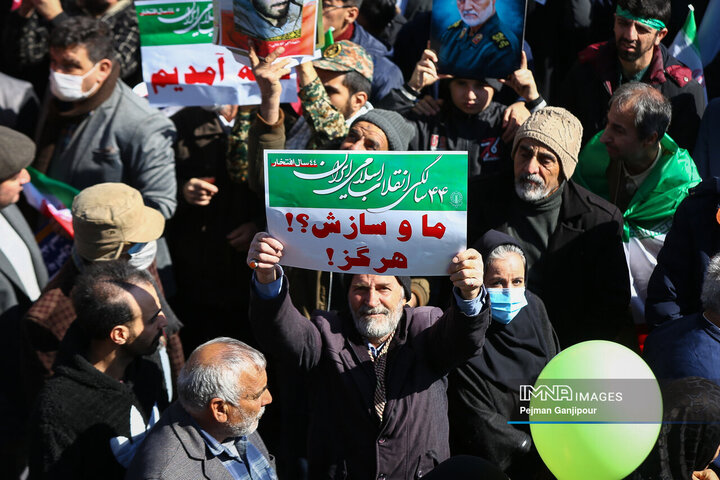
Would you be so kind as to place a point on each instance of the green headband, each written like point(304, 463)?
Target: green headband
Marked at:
point(650, 22)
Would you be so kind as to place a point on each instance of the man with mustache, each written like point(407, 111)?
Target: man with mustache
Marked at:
point(571, 237)
point(376, 367)
point(268, 19)
point(479, 45)
point(210, 431)
point(91, 416)
point(634, 54)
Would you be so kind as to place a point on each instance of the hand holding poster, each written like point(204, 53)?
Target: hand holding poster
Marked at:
point(477, 38)
point(181, 66)
point(393, 213)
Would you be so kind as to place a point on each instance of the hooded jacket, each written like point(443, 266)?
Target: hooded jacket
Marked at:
point(453, 130)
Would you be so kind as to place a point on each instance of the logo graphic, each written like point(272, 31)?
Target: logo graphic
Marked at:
point(544, 393)
point(456, 199)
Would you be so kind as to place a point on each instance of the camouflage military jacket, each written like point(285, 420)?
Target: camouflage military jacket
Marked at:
point(327, 123)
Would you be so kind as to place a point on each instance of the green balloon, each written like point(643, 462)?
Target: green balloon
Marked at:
point(620, 387)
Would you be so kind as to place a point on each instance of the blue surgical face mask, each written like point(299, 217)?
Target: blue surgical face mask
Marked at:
point(505, 303)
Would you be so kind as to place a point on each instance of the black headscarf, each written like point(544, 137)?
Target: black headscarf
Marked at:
point(515, 354)
point(690, 434)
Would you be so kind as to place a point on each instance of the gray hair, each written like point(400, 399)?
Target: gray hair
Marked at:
point(652, 111)
point(502, 251)
point(198, 383)
point(710, 295)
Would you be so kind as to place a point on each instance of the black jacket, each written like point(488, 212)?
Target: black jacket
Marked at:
point(451, 129)
point(480, 407)
point(592, 81)
point(583, 276)
point(80, 409)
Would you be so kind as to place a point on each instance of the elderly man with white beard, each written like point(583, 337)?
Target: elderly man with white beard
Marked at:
point(377, 368)
point(571, 237)
point(210, 431)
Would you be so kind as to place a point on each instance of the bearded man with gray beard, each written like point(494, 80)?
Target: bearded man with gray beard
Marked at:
point(571, 237)
point(377, 368)
point(210, 431)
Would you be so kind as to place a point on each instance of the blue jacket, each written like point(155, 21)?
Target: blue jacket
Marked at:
point(707, 148)
point(386, 74)
point(686, 347)
point(675, 284)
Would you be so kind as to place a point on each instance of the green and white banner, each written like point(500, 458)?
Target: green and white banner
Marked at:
point(181, 65)
point(394, 213)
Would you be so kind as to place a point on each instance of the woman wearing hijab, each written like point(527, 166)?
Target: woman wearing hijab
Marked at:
point(484, 393)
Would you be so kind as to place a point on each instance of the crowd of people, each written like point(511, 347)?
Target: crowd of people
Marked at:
point(150, 347)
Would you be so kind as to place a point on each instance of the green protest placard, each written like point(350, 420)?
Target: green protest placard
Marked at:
point(175, 23)
point(368, 212)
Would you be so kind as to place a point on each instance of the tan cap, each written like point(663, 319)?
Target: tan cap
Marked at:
point(108, 216)
point(559, 130)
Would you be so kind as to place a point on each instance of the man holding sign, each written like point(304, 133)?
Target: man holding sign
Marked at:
point(378, 366)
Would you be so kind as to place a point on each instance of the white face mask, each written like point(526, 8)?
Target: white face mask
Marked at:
point(144, 256)
point(68, 88)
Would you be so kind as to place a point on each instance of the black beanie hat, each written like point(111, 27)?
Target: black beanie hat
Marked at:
point(405, 282)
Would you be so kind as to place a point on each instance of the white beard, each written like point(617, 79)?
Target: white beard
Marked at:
point(376, 328)
point(531, 187)
point(473, 21)
point(247, 426)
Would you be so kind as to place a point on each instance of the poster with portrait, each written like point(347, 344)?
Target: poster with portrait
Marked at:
point(478, 38)
point(182, 67)
point(268, 24)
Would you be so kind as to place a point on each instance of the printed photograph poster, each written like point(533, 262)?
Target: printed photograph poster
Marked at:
point(182, 67)
point(390, 213)
point(270, 24)
point(477, 38)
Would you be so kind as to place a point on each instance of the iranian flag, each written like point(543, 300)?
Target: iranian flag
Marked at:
point(51, 198)
point(686, 48)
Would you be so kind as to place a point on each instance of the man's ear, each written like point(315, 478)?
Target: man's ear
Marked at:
point(218, 410)
point(660, 35)
point(351, 14)
point(357, 100)
point(651, 140)
point(104, 68)
point(120, 334)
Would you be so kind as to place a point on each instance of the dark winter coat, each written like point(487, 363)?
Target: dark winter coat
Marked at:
point(386, 75)
point(81, 409)
point(592, 81)
point(451, 129)
point(582, 276)
point(675, 284)
point(346, 437)
point(480, 406)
